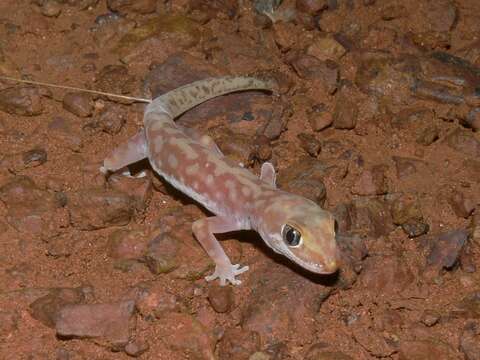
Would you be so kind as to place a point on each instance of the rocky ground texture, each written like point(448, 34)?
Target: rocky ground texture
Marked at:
point(378, 120)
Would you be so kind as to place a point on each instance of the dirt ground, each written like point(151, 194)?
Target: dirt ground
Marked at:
point(377, 119)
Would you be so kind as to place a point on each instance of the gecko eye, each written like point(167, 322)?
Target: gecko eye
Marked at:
point(291, 236)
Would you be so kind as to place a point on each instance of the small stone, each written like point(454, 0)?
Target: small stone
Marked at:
point(309, 143)
point(127, 244)
point(46, 308)
point(414, 228)
point(51, 8)
point(428, 135)
point(405, 209)
point(345, 113)
point(221, 298)
point(136, 6)
point(108, 324)
point(326, 48)
point(311, 7)
point(370, 182)
point(138, 188)
point(445, 249)
point(470, 341)
point(238, 344)
point(136, 348)
point(9, 321)
point(111, 119)
point(78, 103)
point(34, 157)
point(97, 208)
point(161, 255)
point(262, 148)
point(473, 119)
point(319, 118)
point(325, 73)
point(405, 166)
point(465, 142)
point(463, 207)
point(24, 100)
point(426, 350)
point(430, 318)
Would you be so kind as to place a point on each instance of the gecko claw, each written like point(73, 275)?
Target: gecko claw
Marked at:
point(227, 274)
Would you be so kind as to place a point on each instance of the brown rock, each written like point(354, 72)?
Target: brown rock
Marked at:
point(25, 100)
point(46, 308)
point(311, 7)
point(136, 348)
point(428, 135)
point(238, 344)
point(221, 298)
point(65, 133)
point(309, 143)
point(470, 341)
point(469, 306)
point(9, 321)
point(277, 122)
point(473, 119)
point(305, 178)
point(445, 249)
point(185, 335)
point(345, 113)
point(415, 228)
point(465, 142)
point(406, 166)
point(138, 188)
point(127, 244)
point(161, 254)
point(51, 8)
point(463, 207)
point(405, 209)
point(370, 182)
point(34, 157)
point(97, 208)
point(430, 318)
point(319, 117)
point(107, 324)
point(137, 6)
point(111, 119)
point(115, 79)
point(425, 350)
point(326, 48)
point(325, 73)
point(78, 103)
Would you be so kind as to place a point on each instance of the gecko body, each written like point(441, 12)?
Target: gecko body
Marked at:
point(291, 225)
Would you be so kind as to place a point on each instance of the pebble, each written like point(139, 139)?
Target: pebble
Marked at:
point(310, 144)
point(319, 117)
point(161, 254)
point(182, 333)
point(470, 341)
point(125, 7)
point(9, 320)
point(136, 348)
point(78, 103)
point(94, 209)
point(109, 324)
point(34, 157)
point(415, 228)
point(426, 350)
point(470, 305)
point(430, 318)
point(221, 298)
point(127, 244)
point(406, 167)
point(406, 209)
point(51, 8)
point(111, 119)
point(22, 100)
point(325, 73)
point(45, 309)
point(238, 344)
point(311, 7)
point(152, 300)
point(115, 79)
point(371, 182)
point(326, 48)
point(345, 113)
point(462, 207)
point(428, 135)
point(464, 142)
point(473, 119)
point(139, 189)
point(446, 248)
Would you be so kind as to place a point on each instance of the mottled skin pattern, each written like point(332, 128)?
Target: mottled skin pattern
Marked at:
point(239, 199)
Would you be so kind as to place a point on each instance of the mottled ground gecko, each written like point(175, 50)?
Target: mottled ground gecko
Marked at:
point(289, 224)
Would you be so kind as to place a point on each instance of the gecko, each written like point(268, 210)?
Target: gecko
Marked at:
point(289, 224)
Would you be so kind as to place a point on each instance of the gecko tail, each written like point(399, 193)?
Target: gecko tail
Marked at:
point(177, 101)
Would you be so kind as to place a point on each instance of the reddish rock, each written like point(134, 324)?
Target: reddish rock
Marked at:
point(138, 188)
point(470, 341)
point(107, 324)
point(221, 298)
point(310, 68)
point(97, 208)
point(9, 321)
point(135, 6)
point(426, 350)
point(371, 182)
point(24, 100)
point(161, 253)
point(463, 207)
point(136, 348)
point(111, 119)
point(446, 248)
point(309, 143)
point(311, 7)
point(319, 117)
point(127, 244)
point(78, 103)
point(326, 48)
point(465, 142)
point(345, 113)
point(46, 308)
point(238, 344)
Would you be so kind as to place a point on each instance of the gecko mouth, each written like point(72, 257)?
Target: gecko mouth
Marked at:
point(324, 268)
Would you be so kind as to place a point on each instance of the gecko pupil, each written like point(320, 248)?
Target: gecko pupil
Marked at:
point(292, 236)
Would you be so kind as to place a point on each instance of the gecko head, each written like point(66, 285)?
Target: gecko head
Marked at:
point(303, 232)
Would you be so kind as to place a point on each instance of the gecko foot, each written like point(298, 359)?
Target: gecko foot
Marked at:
point(227, 273)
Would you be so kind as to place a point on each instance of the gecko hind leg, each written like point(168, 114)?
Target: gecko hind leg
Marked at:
point(131, 151)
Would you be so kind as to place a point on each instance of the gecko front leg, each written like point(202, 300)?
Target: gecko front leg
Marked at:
point(204, 230)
